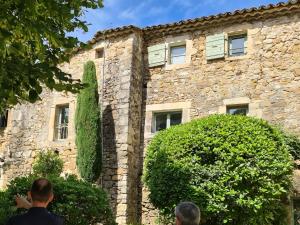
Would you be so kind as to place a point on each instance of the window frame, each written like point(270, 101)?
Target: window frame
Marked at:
point(168, 121)
point(233, 37)
point(99, 53)
point(239, 106)
point(61, 130)
point(177, 45)
point(4, 116)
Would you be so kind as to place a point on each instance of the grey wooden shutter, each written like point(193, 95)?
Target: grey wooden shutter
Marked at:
point(157, 55)
point(215, 46)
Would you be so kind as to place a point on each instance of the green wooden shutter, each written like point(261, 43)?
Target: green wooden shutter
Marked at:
point(215, 46)
point(157, 55)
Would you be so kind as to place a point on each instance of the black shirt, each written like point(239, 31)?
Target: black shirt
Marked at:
point(36, 216)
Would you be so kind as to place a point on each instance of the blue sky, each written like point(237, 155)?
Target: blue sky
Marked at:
point(143, 13)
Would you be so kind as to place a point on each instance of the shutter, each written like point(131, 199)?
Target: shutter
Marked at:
point(215, 46)
point(157, 55)
point(246, 45)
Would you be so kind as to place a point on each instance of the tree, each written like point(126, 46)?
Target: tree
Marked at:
point(33, 42)
point(238, 170)
point(88, 128)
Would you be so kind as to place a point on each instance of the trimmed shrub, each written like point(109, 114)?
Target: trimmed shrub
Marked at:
point(78, 202)
point(236, 168)
point(48, 163)
point(88, 128)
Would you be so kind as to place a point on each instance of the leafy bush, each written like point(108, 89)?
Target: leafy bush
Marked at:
point(293, 143)
point(87, 123)
point(48, 163)
point(236, 168)
point(79, 202)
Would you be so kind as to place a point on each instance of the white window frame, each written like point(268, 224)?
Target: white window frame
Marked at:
point(231, 37)
point(58, 125)
point(168, 113)
point(177, 45)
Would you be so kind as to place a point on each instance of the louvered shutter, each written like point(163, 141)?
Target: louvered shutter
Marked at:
point(215, 46)
point(157, 55)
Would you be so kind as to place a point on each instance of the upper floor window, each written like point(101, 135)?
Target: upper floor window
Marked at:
point(99, 53)
point(3, 119)
point(177, 54)
point(238, 110)
point(62, 122)
point(237, 45)
point(166, 119)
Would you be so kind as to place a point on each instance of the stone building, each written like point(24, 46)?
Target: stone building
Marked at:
point(247, 62)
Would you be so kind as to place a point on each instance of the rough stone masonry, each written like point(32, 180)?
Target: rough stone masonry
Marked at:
point(134, 91)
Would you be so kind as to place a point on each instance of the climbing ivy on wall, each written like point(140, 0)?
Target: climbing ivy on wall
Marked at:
point(88, 126)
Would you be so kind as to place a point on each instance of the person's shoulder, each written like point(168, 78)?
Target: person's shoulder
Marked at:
point(15, 219)
point(58, 220)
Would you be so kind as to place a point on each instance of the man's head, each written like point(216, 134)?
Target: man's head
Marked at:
point(187, 213)
point(41, 192)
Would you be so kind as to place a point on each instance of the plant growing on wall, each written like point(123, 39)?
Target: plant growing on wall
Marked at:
point(238, 170)
point(88, 126)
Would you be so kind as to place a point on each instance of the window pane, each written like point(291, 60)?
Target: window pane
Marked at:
point(178, 54)
point(62, 122)
point(238, 110)
point(175, 118)
point(237, 46)
point(3, 120)
point(160, 121)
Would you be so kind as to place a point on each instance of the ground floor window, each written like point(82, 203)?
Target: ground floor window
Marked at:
point(164, 120)
point(62, 122)
point(237, 109)
point(296, 211)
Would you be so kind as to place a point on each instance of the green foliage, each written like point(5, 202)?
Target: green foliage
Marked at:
point(88, 128)
point(48, 163)
point(79, 202)
point(293, 143)
point(236, 168)
point(34, 40)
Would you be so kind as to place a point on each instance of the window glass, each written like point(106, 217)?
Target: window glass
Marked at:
point(166, 119)
point(3, 119)
point(178, 54)
point(160, 121)
point(175, 118)
point(62, 122)
point(237, 45)
point(238, 110)
point(296, 211)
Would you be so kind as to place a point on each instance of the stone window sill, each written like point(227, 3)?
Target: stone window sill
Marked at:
point(233, 58)
point(176, 66)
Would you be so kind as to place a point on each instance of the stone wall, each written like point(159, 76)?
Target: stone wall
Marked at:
point(267, 77)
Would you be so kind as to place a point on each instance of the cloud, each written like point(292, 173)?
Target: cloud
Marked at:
point(151, 12)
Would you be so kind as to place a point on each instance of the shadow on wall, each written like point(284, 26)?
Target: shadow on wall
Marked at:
point(110, 164)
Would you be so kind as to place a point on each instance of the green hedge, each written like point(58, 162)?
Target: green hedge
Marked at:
point(236, 168)
point(79, 202)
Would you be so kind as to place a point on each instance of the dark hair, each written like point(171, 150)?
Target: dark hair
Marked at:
point(41, 190)
point(188, 213)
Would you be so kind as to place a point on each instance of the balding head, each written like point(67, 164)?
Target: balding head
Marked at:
point(41, 190)
point(187, 213)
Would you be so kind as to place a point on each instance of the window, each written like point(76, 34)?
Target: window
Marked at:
point(237, 45)
point(62, 121)
point(177, 54)
point(296, 211)
point(3, 119)
point(165, 120)
point(99, 53)
point(238, 110)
